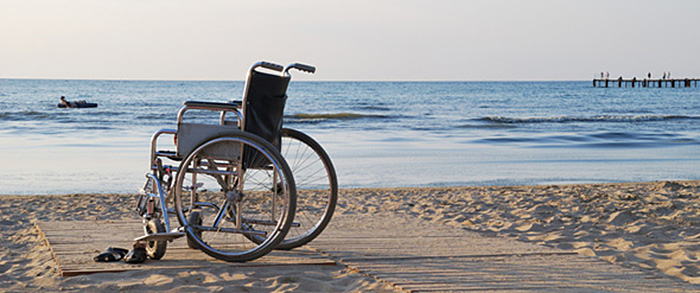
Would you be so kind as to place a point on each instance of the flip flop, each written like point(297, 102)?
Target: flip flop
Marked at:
point(111, 254)
point(136, 255)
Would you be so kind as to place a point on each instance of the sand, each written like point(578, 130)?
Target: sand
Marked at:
point(26, 263)
point(651, 226)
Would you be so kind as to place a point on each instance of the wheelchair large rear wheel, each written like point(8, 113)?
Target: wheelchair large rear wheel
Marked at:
point(317, 187)
point(239, 187)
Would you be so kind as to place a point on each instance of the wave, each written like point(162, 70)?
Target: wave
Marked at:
point(376, 108)
point(23, 116)
point(157, 116)
point(332, 116)
point(597, 118)
point(486, 126)
point(595, 140)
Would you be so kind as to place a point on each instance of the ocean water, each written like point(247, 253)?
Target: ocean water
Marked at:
point(379, 134)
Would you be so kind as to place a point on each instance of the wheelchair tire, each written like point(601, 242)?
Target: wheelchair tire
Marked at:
point(317, 187)
point(195, 219)
point(240, 201)
point(155, 249)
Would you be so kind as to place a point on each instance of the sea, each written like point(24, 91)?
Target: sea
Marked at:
point(378, 134)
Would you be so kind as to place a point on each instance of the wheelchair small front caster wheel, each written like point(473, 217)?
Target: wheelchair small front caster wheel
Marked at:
point(156, 249)
point(195, 219)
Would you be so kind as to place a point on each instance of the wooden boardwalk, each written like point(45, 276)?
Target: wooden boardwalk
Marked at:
point(74, 244)
point(407, 252)
point(419, 256)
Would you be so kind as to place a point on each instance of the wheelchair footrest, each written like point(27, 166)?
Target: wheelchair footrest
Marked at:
point(160, 236)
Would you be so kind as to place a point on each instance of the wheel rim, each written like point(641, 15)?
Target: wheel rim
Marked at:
point(259, 206)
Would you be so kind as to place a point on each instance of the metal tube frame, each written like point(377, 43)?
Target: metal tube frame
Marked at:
point(161, 198)
point(240, 115)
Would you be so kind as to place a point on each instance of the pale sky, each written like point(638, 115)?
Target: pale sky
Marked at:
point(349, 40)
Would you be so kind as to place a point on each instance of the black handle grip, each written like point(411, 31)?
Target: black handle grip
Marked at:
point(301, 67)
point(307, 68)
point(271, 66)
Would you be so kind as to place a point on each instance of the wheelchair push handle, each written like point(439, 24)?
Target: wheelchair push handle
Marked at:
point(268, 65)
point(300, 67)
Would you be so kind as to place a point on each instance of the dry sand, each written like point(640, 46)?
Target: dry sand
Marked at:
point(26, 263)
point(652, 226)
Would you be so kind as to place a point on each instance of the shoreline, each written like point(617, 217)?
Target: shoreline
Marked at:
point(407, 187)
point(651, 226)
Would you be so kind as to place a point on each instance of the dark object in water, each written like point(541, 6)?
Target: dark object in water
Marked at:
point(78, 105)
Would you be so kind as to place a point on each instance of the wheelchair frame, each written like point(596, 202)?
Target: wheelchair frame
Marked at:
point(196, 139)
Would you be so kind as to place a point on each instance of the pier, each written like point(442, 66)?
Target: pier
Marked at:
point(656, 83)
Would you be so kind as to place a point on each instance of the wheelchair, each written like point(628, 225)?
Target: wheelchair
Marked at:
point(238, 188)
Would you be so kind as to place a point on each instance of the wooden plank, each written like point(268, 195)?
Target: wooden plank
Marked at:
point(74, 244)
point(453, 259)
point(450, 256)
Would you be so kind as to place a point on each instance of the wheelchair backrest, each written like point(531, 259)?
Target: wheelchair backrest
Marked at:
point(266, 95)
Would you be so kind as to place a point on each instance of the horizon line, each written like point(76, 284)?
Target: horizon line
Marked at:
point(301, 80)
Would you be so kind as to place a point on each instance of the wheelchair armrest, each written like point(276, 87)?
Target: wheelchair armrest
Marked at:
point(235, 105)
point(154, 143)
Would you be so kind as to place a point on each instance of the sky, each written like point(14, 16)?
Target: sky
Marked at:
point(349, 40)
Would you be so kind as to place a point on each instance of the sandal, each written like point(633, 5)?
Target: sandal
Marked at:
point(136, 255)
point(111, 254)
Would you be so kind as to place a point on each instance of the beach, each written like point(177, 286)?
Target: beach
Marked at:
point(649, 226)
point(466, 154)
